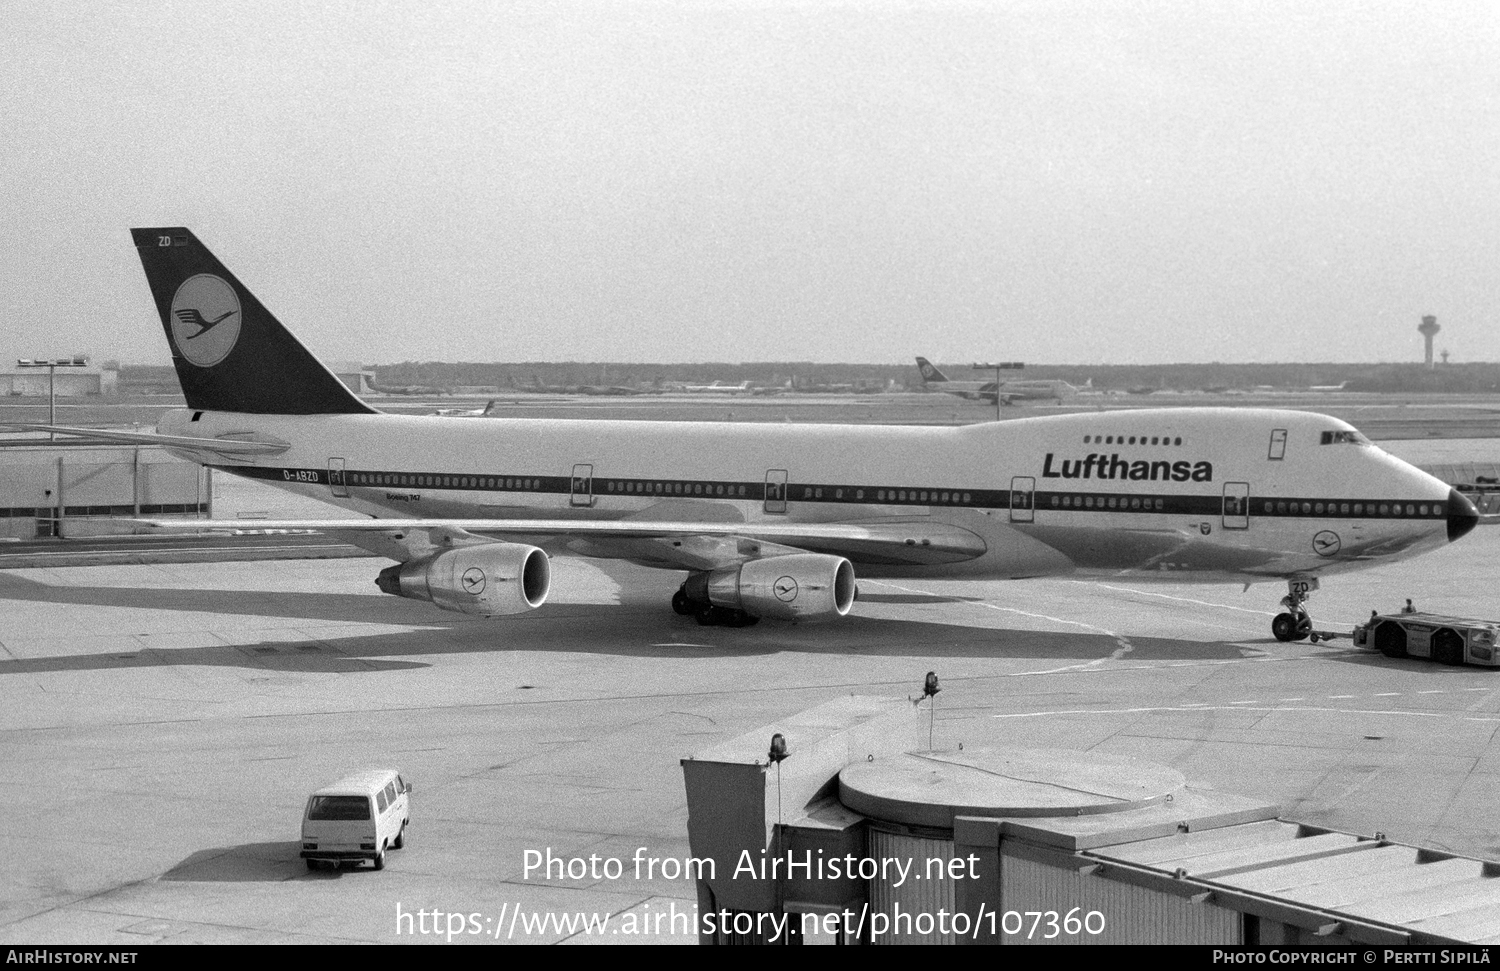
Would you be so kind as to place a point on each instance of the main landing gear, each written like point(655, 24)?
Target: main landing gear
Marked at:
point(1294, 623)
point(708, 614)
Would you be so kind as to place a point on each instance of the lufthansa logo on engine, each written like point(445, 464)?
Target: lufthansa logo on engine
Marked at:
point(473, 581)
point(786, 589)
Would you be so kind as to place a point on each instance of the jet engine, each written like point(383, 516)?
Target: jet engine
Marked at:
point(797, 586)
point(490, 580)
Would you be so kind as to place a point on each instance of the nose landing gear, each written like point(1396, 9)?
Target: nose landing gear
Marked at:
point(1294, 623)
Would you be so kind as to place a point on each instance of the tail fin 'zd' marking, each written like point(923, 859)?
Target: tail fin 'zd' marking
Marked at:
point(231, 353)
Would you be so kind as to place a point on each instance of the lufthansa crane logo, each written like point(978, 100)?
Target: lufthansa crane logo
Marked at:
point(786, 589)
point(473, 581)
point(205, 319)
point(1326, 543)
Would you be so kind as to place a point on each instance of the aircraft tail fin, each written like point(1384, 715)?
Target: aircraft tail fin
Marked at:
point(230, 352)
point(930, 373)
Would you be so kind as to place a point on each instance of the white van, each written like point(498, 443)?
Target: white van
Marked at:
point(356, 818)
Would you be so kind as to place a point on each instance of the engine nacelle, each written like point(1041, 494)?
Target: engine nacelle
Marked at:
point(797, 586)
point(489, 580)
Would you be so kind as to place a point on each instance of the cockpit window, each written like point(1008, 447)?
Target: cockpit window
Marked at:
point(1349, 437)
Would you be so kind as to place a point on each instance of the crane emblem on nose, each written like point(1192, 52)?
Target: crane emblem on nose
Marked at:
point(1326, 543)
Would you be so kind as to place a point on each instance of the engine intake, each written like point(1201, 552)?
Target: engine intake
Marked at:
point(797, 586)
point(489, 580)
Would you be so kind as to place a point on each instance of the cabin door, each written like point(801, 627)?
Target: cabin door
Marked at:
point(1022, 499)
point(336, 480)
point(1236, 505)
point(776, 491)
point(583, 485)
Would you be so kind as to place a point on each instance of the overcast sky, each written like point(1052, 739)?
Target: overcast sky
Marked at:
point(710, 181)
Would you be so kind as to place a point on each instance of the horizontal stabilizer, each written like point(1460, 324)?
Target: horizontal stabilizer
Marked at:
point(224, 446)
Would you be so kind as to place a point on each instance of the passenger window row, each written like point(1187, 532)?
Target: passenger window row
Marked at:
point(1283, 507)
point(633, 487)
point(411, 480)
point(1132, 440)
point(1090, 501)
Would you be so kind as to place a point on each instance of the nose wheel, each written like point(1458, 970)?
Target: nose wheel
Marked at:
point(1293, 624)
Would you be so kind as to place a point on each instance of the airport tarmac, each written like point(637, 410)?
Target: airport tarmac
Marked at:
point(164, 724)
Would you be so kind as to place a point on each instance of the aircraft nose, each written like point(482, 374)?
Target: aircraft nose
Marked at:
point(1462, 516)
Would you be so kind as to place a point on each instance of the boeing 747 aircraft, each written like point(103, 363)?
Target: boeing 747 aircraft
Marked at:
point(774, 520)
point(1003, 391)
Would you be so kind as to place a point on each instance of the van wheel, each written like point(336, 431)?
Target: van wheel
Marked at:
point(400, 841)
point(379, 860)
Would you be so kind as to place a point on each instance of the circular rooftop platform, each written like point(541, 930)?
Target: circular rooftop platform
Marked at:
point(930, 788)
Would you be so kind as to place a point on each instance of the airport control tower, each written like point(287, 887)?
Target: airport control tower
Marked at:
point(1429, 330)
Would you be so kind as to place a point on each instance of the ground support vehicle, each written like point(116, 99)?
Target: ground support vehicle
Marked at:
point(1444, 639)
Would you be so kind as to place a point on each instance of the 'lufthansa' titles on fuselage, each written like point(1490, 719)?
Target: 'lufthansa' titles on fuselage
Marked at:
point(1096, 466)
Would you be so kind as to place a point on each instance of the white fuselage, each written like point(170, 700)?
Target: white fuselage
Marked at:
point(1241, 494)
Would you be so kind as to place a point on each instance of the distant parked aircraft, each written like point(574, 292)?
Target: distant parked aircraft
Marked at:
point(466, 412)
point(1004, 392)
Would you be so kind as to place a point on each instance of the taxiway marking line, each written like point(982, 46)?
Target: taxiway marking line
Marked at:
point(1124, 646)
point(1201, 603)
point(1203, 708)
point(1279, 706)
point(1168, 596)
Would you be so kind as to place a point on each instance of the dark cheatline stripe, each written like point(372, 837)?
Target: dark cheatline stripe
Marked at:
point(861, 495)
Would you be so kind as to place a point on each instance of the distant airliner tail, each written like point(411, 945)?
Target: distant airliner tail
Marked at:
point(231, 353)
point(930, 373)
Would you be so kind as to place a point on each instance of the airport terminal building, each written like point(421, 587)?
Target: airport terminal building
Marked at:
point(64, 488)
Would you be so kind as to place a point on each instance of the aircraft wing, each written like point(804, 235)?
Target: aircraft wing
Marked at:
point(687, 545)
point(228, 445)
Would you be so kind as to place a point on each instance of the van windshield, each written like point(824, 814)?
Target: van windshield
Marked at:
point(339, 807)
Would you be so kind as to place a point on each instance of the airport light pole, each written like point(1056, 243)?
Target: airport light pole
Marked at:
point(52, 366)
point(997, 368)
